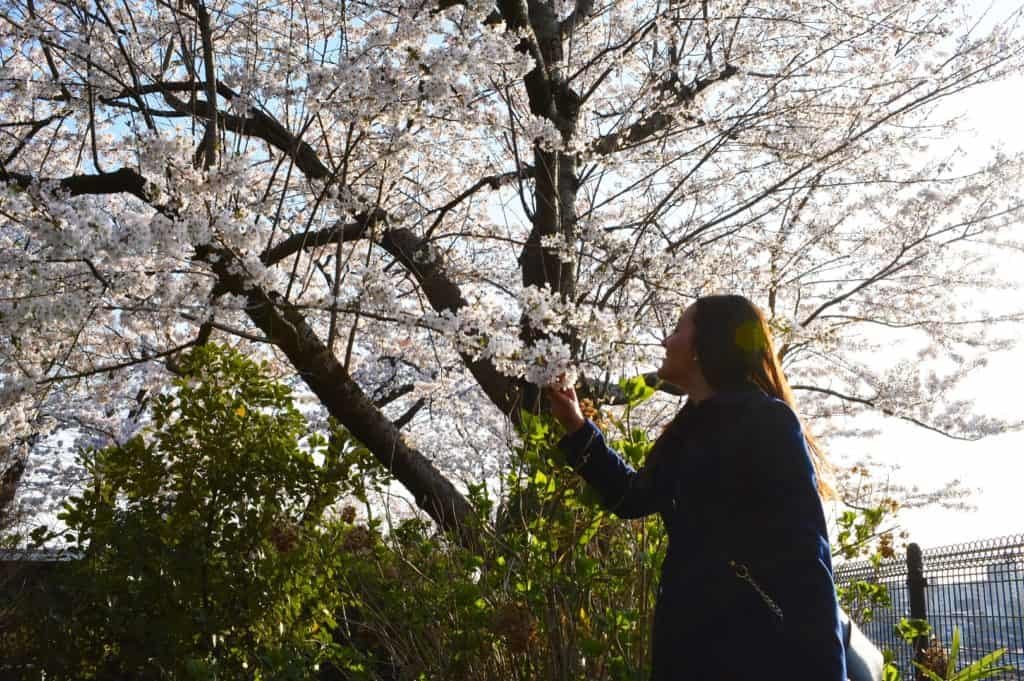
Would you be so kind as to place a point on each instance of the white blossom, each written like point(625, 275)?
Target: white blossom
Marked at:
point(794, 152)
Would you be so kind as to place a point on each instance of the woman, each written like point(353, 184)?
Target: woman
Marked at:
point(746, 588)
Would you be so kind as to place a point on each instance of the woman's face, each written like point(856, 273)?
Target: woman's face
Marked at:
point(679, 366)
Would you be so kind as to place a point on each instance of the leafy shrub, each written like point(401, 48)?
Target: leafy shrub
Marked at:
point(203, 551)
point(557, 589)
point(938, 664)
point(198, 548)
point(206, 549)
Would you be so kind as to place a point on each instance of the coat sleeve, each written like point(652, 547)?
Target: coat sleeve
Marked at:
point(626, 492)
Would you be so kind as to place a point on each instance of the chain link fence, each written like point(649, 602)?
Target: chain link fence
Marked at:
point(977, 587)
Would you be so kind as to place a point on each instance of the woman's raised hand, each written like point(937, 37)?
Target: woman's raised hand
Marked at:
point(565, 407)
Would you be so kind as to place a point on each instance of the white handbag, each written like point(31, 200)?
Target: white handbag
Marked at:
point(864, 661)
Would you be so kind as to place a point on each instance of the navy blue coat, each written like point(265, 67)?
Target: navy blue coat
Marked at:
point(733, 481)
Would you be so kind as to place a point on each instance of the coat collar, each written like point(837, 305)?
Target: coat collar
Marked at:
point(728, 397)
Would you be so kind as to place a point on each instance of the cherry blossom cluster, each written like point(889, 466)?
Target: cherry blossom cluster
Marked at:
point(464, 202)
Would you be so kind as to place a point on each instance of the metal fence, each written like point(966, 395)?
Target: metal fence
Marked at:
point(976, 587)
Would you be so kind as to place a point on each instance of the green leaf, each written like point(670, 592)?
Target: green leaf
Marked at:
point(929, 674)
point(954, 653)
point(635, 390)
point(589, 532)
point(533, 428)
point(890, 672)
point(984, 668)
point(40, 535)
point(909, 629)
point(591, 647)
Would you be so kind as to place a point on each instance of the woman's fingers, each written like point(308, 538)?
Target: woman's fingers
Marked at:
point(562, 385)
point(562, 394)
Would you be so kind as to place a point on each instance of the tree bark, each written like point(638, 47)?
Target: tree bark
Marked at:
point(10, 476)
point(345, 401)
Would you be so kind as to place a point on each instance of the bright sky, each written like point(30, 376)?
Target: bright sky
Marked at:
point(993, 466)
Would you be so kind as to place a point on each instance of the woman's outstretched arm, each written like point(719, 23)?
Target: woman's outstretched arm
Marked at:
point(626, 492)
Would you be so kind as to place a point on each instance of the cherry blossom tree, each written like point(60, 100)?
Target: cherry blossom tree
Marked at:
point(422, 211)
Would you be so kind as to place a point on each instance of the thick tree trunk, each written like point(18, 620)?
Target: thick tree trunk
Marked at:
point(345, 401)
point(555, 174)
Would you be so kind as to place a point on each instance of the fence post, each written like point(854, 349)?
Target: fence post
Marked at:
point(916, 584)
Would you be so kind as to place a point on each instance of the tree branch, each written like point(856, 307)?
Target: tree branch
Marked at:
point(346, 401)
point(257, 124)
point(120, 365)
point(427, 268)
point(10, 476)
point(340, 232)
point(209, 66)
point(582, 11)
point(492, 19)
point(658, 121)
point(493, 181)
point(393, 395)
point(885, 410)
point(122, 181)
point(403, 420)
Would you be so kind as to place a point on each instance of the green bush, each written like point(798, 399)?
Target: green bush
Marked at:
point(209, 548)
point(203, 551)
point(939, 664)
point(556, 590)
point(199, 551)
point(560, 590)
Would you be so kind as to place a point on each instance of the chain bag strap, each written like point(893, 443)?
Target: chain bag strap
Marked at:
point(743, 573)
